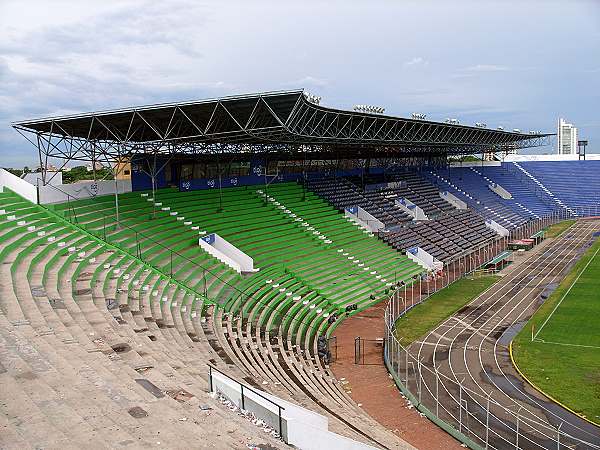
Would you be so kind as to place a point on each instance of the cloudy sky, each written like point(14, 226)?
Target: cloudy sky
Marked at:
point(520, 64)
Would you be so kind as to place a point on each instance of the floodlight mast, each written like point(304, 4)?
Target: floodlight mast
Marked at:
point(368, 109)
point(314, 99)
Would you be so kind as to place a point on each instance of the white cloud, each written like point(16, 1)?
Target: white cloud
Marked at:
point(416, 61)
point(487, 68)
point(309, 81)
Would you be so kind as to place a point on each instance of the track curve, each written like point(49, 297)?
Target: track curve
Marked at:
point(469, 353)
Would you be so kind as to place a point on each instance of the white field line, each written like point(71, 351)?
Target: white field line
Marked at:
point(566, 293)
point(541, 341)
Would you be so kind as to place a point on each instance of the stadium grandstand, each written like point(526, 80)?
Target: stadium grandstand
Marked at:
point(202, 291)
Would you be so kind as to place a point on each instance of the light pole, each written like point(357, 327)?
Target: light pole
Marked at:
point(581, 145)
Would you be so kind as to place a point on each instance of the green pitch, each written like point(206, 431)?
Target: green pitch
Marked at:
point(563, 359)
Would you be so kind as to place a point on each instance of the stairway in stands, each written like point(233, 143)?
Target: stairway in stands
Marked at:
point(557, 200)
point(518, 204)
point(468, 186)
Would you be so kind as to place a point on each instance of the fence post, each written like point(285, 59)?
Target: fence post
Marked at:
point(487, 423)
point(437, 393)
point(406, 367)
point(420, 380)
point(460, 407)
point(391, 357)
point(454, 270)
point(243, 402)
point(210, 380)
point(517, 427)
point(280, 423)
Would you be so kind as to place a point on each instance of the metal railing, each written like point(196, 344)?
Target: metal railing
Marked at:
point(477, 420)
point(207, 275)
point(243, 397)
point(238, 297)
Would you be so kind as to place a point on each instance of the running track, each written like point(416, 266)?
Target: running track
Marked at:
point(470, 350)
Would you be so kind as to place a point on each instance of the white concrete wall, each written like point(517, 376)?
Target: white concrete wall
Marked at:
point(306, 437)
point(373, 223)
point(83, 189)
point(424, 259)
point(412, 209)
point(496, 227)
point(301, 427)
point(553, 157)
point(495, 187)
point(18, 185)
point(364, 219)
point(453, 200)
point(35, 178)
point(228, 253)
point(475, 164)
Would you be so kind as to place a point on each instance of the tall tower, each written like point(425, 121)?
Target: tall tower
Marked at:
point(566, 141)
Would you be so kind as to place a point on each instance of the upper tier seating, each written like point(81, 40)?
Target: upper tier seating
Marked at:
point(341, 193)
point(95, 310)
point(416, 189)
point(446, 238)
point(526, 198)
point(471, 187)
point(574, 183)
point(450, 234)
point(290, 236)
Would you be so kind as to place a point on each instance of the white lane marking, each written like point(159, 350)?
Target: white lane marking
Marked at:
point(566, 344)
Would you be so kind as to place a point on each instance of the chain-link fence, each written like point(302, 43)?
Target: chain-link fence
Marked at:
point(477, 420)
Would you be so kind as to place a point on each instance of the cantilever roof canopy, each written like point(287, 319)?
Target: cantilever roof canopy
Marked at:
point(269, 121)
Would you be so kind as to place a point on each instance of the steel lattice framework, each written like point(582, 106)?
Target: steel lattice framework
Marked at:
point(283, 124)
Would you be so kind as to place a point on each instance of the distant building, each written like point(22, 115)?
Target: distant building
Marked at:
point(566, 143)
point(49, 168)
point(123, 169)
point(499, 156)
point(96, 165)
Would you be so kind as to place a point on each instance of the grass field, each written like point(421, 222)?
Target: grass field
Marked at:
point(564, 358)
point(558, 228)
point(440, 306)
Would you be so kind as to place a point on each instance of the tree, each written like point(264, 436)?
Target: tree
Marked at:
point(81, 173)
point(16, 172)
